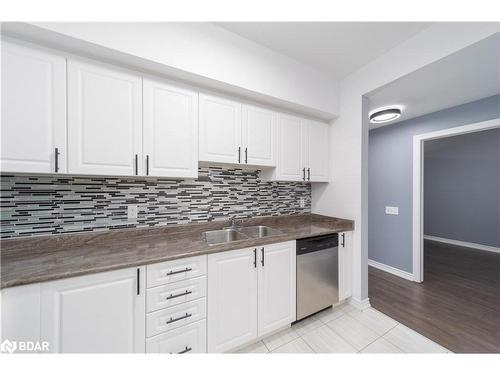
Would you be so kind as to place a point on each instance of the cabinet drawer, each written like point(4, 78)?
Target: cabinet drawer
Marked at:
point(187, 339)
point(176, 270)
point(176, 293)
point(174, 317)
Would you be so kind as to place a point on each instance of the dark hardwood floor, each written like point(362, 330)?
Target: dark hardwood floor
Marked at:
point(457, 305)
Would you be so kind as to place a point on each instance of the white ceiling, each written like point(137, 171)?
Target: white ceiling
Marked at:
point(470, 74)
point(337, 48)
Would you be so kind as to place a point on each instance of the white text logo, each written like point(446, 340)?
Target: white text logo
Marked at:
point(8, 346)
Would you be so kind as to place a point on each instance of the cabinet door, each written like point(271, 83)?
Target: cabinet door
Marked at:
point(258, 136)
point(220, 130)
point(170, 130)
point(100, 313)
point(290, 149)
point(318, 151)
point(277, 286)
point(21, 313)
point(232, 299)
point(33, 110)
point(104, 120)
point(345, 265)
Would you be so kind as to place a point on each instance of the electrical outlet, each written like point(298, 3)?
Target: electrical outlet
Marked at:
point(132, 211)
point(302, 202)
point(389, 210)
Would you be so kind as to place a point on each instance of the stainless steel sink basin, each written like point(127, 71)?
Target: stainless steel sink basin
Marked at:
point(214, 237)
point(259, 231)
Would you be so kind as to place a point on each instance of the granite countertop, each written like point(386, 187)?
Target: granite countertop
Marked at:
point(36, 259)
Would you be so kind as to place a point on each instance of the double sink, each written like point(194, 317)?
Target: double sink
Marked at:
point(215, 237)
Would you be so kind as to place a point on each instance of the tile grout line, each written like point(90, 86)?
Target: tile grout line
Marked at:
point(390, 340)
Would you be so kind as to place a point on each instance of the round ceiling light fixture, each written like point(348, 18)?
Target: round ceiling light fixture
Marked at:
point(387, 114)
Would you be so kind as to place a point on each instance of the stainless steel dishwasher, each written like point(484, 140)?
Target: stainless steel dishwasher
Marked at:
point(317, 274)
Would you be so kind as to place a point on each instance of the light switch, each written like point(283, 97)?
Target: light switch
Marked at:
point(390, 210)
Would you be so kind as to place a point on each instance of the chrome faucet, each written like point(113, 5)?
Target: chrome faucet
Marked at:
point(232, 222)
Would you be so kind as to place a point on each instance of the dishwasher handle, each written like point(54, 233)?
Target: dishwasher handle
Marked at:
point(309, 245)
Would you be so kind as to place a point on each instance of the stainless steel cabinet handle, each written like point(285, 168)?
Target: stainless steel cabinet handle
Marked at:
point(309, 174)
point(170, 273)
point(147, 165)
point(303, 174)
point(136, 164)
point(239, 154)
point(185, 350)
point(172, 296)
point(255, 258)
point(246, 155)
point(343, 239)
point(56, 161)
point(262, 253)
point(171, 320)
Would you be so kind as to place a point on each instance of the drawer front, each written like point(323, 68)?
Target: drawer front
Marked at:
point(174, 317)
point(176, 270)
point(184, 340)
point(175, 293)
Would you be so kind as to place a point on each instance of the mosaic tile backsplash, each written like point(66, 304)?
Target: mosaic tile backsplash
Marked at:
point(51, 204)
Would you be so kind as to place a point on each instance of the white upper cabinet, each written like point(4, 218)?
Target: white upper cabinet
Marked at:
point(277, 286)
point(235, 133)
point(170, 130)
point(302, 149)
point(317, 151)
point(220, 130)
point(87, 118)
point(290, 153)
point(33, 110)
point(258, 136)
point(232, 299)
point(104, 120)
point(100, 313)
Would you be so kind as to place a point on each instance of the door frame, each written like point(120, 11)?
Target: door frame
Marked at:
point(418, 187)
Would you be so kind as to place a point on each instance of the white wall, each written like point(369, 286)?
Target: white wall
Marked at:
point(199, 52)
point(347, 194)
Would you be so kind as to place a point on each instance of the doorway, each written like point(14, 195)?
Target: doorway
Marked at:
point(418, 185)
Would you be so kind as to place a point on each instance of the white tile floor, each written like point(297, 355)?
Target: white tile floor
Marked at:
point(345, 329)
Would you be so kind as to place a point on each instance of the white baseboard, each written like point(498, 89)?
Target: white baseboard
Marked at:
point(393, 270)
point(463, 244)
point(360, 305)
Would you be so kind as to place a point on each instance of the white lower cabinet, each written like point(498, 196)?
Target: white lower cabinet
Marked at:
point(176, 302)
point(100, 313)
point(191, 338)
point(232, 302)
point(246, 299)
point(345, 265)
point(277, 291)
point(20, 308)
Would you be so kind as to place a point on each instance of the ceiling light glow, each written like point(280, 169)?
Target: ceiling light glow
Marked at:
point(385, 115)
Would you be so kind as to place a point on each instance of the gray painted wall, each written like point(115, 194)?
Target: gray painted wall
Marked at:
point(390, 177)
point(462, 188)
